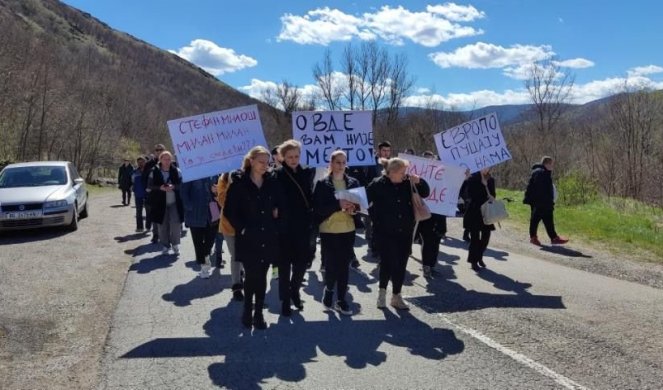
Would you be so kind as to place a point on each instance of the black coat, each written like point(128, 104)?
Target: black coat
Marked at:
point(250, 210)
point(324, 202)
point(539, 192)
point(391, 207)
point(157, 198)
point(298, 190)
point(125, 177)
point(476, 197)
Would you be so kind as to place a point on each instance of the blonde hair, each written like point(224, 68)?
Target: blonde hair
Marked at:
point(165, 153)
point(252, 154)
point(333, 156)
point(392, 164)
point(287, 146)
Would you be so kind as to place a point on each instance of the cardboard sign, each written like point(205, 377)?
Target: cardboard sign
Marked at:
point(476, 144)
point(216, 142)
point(321, 133)
point(444, 181)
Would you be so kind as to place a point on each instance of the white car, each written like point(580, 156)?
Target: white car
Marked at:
point(40, 194)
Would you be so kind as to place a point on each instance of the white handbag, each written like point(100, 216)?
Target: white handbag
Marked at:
point(493, 211)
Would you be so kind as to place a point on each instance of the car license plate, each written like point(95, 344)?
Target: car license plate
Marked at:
point(23, 214)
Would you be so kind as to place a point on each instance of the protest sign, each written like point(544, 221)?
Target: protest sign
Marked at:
point(216, 142)
point(476, 144)
point(444, 181)
point(323, 132)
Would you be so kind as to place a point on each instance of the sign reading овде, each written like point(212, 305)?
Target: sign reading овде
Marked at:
point(444, 181)
point(216, 142)
point(476, 144)
point(322, 132)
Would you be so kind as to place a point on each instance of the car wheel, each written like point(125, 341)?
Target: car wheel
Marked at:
point(73, 226)
point(84, 212)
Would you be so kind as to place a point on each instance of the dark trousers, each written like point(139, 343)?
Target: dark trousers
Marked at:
point(337, 250)
point(140, 204)
point(544, 214)
point(478, 243)
point(126, 196)
point(203, 239)
point(292, 267)
point(255, 284)
point(394, 253)
point(148, 220)
point(430, 242)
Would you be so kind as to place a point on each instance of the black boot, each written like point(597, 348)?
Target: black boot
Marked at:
point(285, 309)
point(237, 292)
point(259, 320)
point(246, 316)
point(297, 301)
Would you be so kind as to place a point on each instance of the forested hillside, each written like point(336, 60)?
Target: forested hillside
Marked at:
point(72, 88)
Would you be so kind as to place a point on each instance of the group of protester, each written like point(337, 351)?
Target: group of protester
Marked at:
point(271, 209)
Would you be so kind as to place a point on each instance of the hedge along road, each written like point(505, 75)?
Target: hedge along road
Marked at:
point(522, 323)
point(58, 290)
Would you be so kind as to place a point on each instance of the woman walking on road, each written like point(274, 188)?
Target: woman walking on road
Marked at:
point(337, 230)
point(228, 231)
point(196, 197)
point(393, 221)
point(480, 188)
point(255, 208)
point(297, 183)
point(166, 204)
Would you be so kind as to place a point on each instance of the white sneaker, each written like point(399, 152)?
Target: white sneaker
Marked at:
point(176, 249)
point(204, 272)
point(164, 251)
point(382, 298)
point(398, 302)
point(208, 260)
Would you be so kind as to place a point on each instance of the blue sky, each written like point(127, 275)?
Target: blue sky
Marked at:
point(463, 55)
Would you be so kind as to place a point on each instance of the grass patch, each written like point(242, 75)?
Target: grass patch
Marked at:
point(622, 225)
point(94, 189)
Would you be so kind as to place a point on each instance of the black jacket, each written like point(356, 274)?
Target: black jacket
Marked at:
point(249, 210)
point(125, 176)
point(158, 198)
point(539, 192)
point(324, 202)
point(391, 206)
point(476, 197)
point(298, 190)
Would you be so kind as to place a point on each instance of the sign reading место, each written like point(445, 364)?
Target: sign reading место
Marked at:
point(216, 142)
point(323, 132)
point(444, 181)
point(476, 144)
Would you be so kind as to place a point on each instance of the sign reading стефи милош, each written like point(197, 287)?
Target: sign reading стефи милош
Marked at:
point(323, 132)
point(216, 142)
point(475, 144)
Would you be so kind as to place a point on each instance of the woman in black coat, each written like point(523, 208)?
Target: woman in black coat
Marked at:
point(431, 231)
point(166, 209)
point(480, 187)
point(255, 208)
point(337, 230)
point(390, 197)
point(297, 184)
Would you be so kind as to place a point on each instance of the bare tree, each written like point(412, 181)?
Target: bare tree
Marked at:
point(400, 84)
point(349, 68)
point(323, 73)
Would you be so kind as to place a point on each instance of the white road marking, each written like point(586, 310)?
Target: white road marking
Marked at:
point(519, 357)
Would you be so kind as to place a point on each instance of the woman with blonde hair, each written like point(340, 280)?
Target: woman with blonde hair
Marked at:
point(390, 198)
point(228, 232)
point(254, 207)
point(337, 230)
point(297, 183)
point(167, 210)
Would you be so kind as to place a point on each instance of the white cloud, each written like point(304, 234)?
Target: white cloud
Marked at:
point(213, 58)
point(394, 25)
point(483, 55)
point(576, 63)
point(257, 87)
point(644, 70)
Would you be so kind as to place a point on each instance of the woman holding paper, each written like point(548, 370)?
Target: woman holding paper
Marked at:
point(255, 208)
point(390, 196)
point(431, 231)
point(297, 183)
point(480, 188)
point(196, 198)
point(337, 230)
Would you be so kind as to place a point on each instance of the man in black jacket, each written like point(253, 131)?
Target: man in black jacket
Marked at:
point(540, 195)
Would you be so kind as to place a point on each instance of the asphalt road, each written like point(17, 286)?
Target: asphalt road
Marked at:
point(523, 323)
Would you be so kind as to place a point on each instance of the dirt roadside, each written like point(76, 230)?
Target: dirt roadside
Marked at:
point(58, 290)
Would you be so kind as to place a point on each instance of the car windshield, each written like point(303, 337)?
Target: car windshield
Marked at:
point(34, 176)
